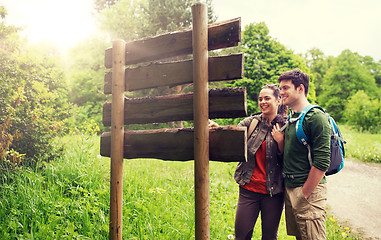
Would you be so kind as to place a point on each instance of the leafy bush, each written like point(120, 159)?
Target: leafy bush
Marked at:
point(33, 101)
point(32, 110)
point(363, 113)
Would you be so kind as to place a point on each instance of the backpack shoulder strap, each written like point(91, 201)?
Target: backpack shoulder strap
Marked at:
point(299, 124)
point(299, 129)
point(288, 121)
point(252, 126)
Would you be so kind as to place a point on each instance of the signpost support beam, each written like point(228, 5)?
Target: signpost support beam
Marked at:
point(200, 109)
point(117, 137)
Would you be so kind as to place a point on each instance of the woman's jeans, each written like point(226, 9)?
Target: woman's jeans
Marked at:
point(248, 208)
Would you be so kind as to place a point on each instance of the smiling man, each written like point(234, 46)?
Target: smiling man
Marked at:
point(306, 192)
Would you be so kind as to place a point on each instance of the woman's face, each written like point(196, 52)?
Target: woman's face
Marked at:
point(267, 102)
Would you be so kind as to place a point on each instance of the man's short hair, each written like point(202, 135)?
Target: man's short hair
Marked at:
point(297, 78)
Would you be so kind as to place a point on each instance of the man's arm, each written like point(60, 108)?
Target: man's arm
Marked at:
point(314, 178)
point(320, 137)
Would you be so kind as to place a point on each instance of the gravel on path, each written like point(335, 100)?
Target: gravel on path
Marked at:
point(354, 196)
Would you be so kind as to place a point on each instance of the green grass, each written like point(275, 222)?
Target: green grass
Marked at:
point(363, 146)
point(69, 199)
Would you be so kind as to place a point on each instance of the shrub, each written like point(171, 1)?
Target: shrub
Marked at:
point(363, 113)
point(33, 109)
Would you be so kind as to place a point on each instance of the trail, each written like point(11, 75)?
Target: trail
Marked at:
point(354, 196)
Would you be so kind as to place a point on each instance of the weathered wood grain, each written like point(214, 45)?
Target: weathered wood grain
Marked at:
point(220, 35)
point(220, 68)
point(223, 103)
point(226, 144)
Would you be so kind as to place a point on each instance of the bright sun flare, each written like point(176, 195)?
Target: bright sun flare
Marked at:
point(62, 22)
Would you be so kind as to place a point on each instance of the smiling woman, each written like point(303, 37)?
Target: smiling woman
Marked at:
point(61, 22)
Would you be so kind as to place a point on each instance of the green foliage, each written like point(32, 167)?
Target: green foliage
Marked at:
point(319, 65)
point(9, 39)
point(122, 20)
point(265, 60)
point(87, 128)
point(9, 158)
point(3, 12)
point(374, 68)
point(130, 20)
point(33, 105)
point(85, 77)
point(166, 16)
point(343, 79)
point(30, 97)
point(169, 15)
point(363, 113)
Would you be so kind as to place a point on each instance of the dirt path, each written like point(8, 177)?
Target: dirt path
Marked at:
point(354, 196)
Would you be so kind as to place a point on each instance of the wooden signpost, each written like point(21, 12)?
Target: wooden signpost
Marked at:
point(200, 143)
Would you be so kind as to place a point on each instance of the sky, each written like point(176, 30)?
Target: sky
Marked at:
point(330, 25)
point(64, 22)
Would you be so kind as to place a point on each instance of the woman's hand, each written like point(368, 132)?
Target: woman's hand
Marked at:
point(212, 124)
point(278, 136)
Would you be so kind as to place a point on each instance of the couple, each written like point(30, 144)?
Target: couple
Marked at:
point(278, 172)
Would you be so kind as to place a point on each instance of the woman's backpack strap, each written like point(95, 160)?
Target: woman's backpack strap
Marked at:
point(252, 126)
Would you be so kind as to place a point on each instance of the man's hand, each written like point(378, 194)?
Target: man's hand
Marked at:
point(314, 177)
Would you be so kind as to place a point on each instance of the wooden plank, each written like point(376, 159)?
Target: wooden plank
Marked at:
point(226, 144)
point(221, 68)
point(223, 103)
point(221, 35)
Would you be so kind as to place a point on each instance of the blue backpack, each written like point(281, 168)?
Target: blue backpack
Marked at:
point(337, 141)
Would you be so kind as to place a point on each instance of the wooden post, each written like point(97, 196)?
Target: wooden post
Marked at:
point(200, 109)
point(117, 136)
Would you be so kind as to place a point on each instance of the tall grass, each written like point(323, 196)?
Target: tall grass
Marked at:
point(362, 145)
point(69, 199)
point(65, 199)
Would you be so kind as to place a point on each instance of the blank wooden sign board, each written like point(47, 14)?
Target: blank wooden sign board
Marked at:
point(226, 143)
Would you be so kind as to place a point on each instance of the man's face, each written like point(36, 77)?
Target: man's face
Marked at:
point(289, 93)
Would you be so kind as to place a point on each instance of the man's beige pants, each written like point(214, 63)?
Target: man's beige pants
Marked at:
point(305, 218)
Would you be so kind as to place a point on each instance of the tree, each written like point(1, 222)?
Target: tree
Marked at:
point(265, 60)
point(100, 5)
point(363, 113)
point(122, 20)
point(130, 20)
point(169, 15)
point(3, 12)
point(85, 77)
point(343, 80)
point(319, 64)
point(374, 67)
point(9, 39)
